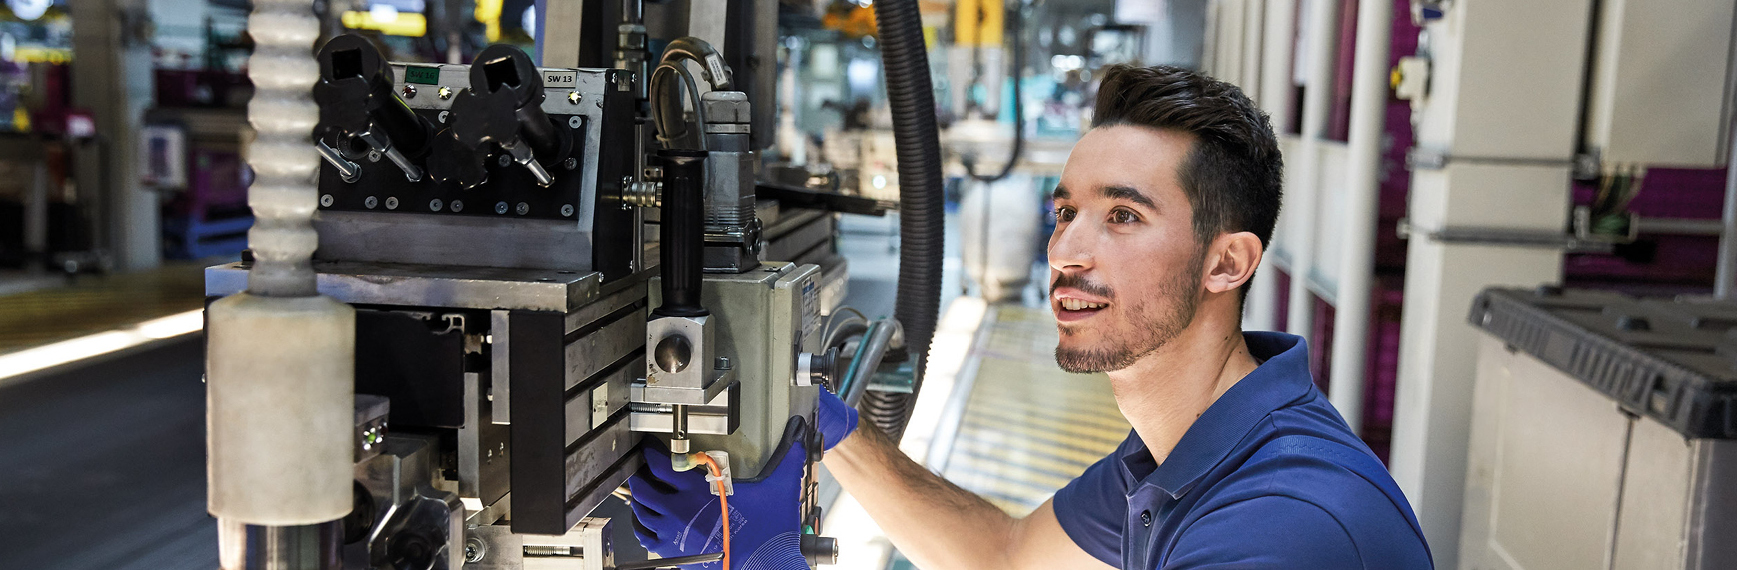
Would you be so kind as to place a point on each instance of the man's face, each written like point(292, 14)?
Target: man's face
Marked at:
point(1125, 265)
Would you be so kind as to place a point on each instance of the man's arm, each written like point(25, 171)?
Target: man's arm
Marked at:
point(938, 525)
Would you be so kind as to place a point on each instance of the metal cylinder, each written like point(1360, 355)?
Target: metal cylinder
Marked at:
point(242, 546)
point(682, 232)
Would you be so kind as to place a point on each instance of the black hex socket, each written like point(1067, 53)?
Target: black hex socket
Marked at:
point(502, 67)
point(355, 95)
point(682, 232)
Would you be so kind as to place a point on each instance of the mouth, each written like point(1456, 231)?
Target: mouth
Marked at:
point(1073, 306)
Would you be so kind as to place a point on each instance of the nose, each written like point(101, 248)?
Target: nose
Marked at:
point(1069, 248)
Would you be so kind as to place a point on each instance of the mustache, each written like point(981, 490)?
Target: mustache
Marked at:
point(1078, 282)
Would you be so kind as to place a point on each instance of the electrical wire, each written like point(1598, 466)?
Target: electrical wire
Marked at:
point(659, 106)
point(1018, 47)
point(723, 498)
point(671, 562)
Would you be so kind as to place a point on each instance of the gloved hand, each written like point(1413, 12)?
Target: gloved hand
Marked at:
point(676, 513)
point(835, 421)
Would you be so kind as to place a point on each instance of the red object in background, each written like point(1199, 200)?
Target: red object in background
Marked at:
point(215, 187)
point(1657, 264)
point(1321, 343)
point(202, 88)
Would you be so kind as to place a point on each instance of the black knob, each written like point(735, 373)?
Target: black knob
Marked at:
point(355, 96)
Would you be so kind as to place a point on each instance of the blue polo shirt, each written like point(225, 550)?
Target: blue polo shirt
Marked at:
point(1268, 477)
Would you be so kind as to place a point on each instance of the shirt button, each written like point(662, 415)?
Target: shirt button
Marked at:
point(1146, 518)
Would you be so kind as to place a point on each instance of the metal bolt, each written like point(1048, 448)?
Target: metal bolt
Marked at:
point(524, 208)
point(721, 363)
point(504, 160)
point(566, 210)
point(391, 203)
point(326, 200)
point(409, 91)
point(501, 208)
point(373, 156)
point(573, 122)
point(435, 205)
point(570, 163)
point(573, 97)
point(370, 202)
point(457, 206)
point(474, 550)
point(445, 93)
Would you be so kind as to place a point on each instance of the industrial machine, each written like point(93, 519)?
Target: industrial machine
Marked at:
point(445, 353)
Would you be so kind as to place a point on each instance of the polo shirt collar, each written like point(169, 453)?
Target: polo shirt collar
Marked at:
point(1282, 378)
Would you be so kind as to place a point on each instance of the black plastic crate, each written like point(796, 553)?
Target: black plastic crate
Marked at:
point(1671, 360)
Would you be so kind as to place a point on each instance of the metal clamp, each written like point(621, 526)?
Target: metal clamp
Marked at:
point(1509, 237)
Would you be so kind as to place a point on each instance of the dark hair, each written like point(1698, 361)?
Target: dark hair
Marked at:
point(1233, 175)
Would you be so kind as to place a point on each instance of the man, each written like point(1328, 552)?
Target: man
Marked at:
point(1236, 460)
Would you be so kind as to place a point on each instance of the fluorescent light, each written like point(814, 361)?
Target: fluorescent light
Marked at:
point(90, 346)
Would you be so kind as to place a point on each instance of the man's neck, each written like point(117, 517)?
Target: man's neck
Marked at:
point(1165, 391)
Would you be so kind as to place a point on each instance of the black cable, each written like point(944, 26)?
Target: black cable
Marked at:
point(1018, 47)
point(911, 94)
point(671, 562)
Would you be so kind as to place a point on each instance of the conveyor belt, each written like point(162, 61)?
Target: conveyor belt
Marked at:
point(102, 466)
point(1028, 427)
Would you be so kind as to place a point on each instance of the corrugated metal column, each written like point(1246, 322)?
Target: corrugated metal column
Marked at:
point(1501, 117)
point(1363, 191)
point(1275, 83)
point(1303, 201)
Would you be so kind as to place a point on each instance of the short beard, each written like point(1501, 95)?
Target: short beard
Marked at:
point(1150, 333)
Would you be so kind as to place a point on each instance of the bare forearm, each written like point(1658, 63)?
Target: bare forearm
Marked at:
point(932, 521)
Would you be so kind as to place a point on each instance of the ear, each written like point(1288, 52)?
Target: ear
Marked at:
point(1232, 261)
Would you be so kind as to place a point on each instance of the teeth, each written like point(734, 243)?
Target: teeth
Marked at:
point(1078, 305)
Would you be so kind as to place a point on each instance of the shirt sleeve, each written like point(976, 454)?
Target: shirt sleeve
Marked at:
point(1265, 532)
point(1093, 507)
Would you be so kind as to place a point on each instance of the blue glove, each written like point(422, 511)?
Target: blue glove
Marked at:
point(676, 513)
point(835, 421)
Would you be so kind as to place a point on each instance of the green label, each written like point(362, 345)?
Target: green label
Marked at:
point(423, 75)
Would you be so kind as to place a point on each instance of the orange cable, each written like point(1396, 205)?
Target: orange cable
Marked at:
point(723, 500)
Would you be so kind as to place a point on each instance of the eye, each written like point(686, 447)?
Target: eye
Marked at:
point(1064, 214)
point(1122, 216)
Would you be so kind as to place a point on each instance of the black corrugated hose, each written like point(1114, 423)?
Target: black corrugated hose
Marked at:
point(921, 233)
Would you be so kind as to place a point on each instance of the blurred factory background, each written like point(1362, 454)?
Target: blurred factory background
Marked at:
point(1508, 235)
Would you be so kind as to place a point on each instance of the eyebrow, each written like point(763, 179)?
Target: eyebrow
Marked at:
point(1127, 193)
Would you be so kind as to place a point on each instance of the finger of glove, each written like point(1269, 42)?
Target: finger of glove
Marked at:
point(652, 494)
point(648, 535)
point(835, 420)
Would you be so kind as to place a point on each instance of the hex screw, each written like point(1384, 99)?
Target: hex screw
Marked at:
point(373, 155)
point(435, 205)
point(474, 550)
point(444, 92)
point(409, 91)
point(391, 202)
point(721, 363)
point(504, 160)
point(326, 200)
point(524, 208)
point(573, 97)
point(570, 163)
point(370, 202)
point(457, 206)
point(573, 122)
point(566, 210)
point(501, 208)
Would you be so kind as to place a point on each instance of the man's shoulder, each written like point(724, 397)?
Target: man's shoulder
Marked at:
point(1333, 472)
